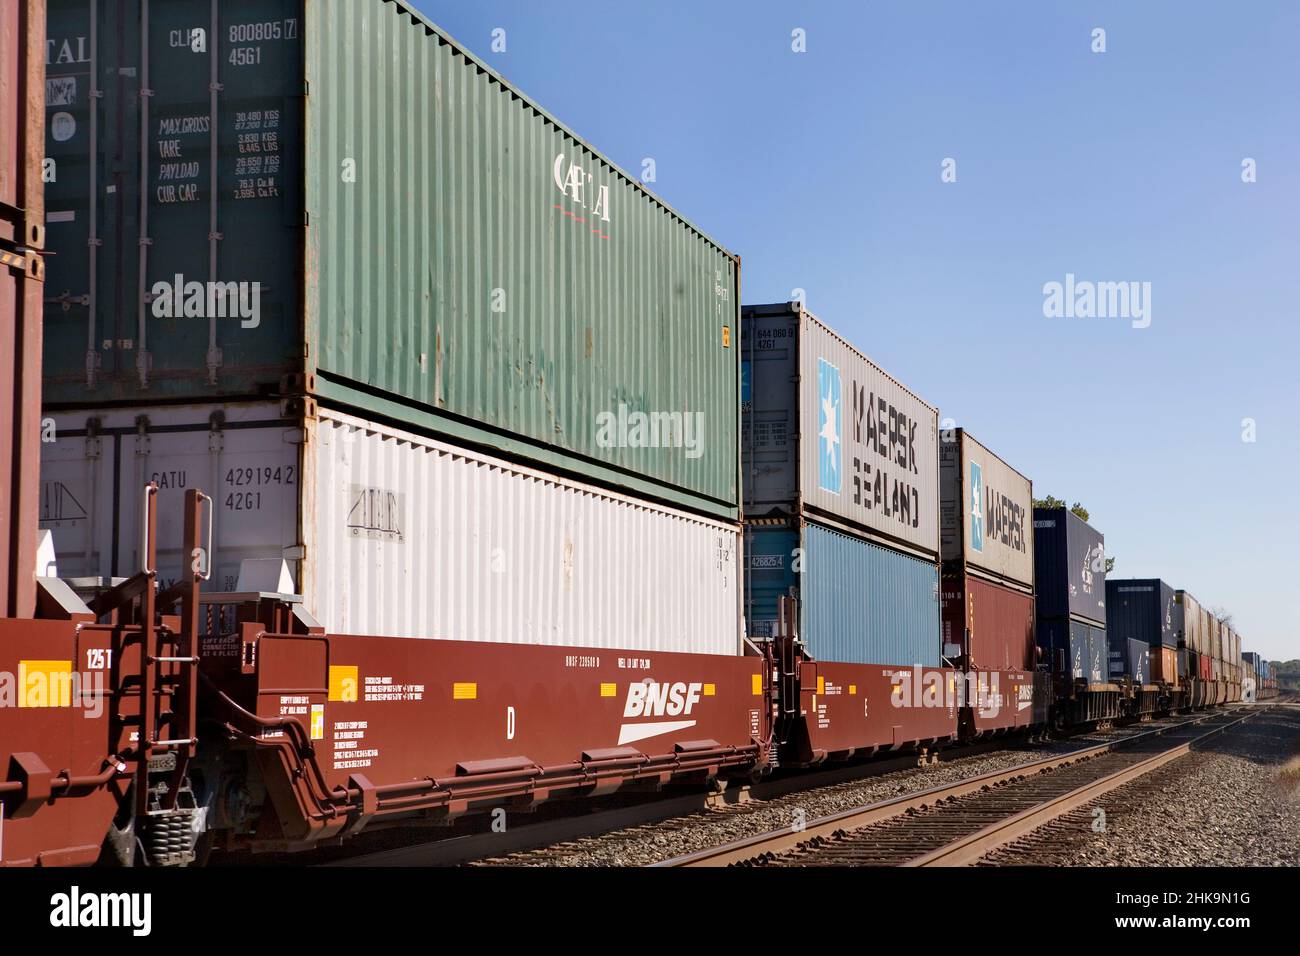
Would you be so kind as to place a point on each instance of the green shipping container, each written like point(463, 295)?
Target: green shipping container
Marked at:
point(258, 197)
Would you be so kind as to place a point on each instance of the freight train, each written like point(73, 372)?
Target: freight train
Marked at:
point(389, 472)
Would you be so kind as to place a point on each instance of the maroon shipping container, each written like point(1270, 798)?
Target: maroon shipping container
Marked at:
point(992, 625)
point(1206, 664)
point(22, 227)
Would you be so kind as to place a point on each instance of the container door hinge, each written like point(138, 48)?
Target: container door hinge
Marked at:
point(142, 441)
point(214, 363)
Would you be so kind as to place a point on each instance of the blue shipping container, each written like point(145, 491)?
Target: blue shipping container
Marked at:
point(1069, 566)
point(860, 603)
point(1130, 658)
point(1141, 609)
point(1077, 647)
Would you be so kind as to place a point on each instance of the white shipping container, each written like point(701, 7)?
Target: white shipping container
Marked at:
point(391, 533)
point(986, 510)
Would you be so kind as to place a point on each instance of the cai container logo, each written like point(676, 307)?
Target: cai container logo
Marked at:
point(830, 448)
point(976, 507)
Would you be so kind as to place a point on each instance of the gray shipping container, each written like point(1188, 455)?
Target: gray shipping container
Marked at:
point(985, 509)
point(826, 430)
point(1069, 566)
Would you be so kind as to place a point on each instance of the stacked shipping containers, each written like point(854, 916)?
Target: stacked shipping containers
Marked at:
point(1189, 619)
point(841, 494)
point(415, 337)
point(987, 550)
point(841, 498)
point(1070, 581)
point(1141, 625)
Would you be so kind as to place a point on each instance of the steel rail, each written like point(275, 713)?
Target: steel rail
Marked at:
point(787, 838)
point(969, 849)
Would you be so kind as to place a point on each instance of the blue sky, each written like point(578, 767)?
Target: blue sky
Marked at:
point(822, 170)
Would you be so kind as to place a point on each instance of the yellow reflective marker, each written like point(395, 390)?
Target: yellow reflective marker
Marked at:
point(757, 685)
point(710, 690)
point(317, 721)
point(464, 690)
point(821, 684)
point(853, 689)
point(45, 683)
point(608, 690)
point(343, 683)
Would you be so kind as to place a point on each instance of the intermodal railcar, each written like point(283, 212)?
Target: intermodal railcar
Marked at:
point(164, 711)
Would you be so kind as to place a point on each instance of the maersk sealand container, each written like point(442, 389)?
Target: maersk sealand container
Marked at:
point(333, 198)
point(841, 494)
point(827, 432)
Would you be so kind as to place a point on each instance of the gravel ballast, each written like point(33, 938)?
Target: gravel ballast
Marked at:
point(655, 842)
point(1234, 801)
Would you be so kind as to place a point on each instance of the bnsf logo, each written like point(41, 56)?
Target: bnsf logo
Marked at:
point(652, 699)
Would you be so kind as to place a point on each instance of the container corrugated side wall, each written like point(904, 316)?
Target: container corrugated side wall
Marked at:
point(486, 267)
point(410, 537)
point(1137, 609)
point(1000, 622)
point(22, 223)
point(873, 458)
point(864, 604)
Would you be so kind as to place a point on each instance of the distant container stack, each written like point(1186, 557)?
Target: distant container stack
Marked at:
point(840, 494)
point(1070, 581)
point(417, 340)
point(987, 546)
point(1143, 610)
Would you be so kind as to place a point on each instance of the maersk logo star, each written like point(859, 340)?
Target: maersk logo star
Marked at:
point(828, 387)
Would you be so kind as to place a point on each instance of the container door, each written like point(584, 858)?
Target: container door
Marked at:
point(77, 505)
point(252, 474)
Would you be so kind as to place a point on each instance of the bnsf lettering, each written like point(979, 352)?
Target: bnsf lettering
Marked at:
point(652, 699)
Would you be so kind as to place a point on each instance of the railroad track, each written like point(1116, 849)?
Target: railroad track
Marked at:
point(582, 822)
point(958, 824)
